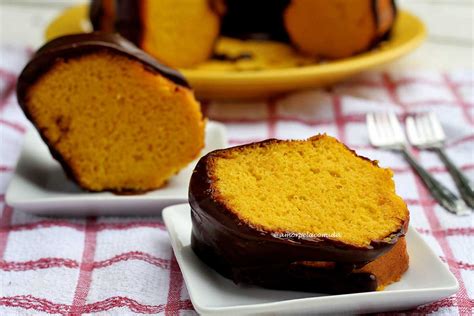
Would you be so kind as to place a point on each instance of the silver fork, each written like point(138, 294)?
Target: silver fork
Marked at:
point(386, 132)
point(425, 132)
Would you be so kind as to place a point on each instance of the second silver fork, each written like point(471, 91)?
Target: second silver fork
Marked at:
point(385, 131)
point(425, 131)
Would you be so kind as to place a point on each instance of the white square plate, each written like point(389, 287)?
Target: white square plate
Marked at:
point(39, 184)
point(426, 280)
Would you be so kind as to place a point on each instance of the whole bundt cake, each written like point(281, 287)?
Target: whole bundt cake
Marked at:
point(184, 33)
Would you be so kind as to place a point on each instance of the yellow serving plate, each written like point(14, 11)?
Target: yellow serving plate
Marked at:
point(408, 33)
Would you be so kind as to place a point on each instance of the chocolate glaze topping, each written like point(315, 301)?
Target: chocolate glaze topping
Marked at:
point(248, 254)
point(70, 46)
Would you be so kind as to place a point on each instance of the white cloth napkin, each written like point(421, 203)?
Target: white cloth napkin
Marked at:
point(126, 265)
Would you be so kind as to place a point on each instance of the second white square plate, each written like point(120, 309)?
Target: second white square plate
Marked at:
point(426, 280)
point(40, 186)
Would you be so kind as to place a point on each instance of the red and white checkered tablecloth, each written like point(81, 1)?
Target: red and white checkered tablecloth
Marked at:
point(126, 265)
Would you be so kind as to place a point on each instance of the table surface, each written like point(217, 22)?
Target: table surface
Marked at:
point(449, 44)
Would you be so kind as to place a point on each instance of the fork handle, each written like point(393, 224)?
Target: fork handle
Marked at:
point(441, 194)
point(465, 187)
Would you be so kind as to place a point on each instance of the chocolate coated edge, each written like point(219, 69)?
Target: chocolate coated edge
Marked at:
point(76, 45)
point(204, 203)
point(286, 275)
point(79, 44)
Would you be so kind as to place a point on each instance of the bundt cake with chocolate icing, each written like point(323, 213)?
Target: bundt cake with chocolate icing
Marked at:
point(113, 116)
point(303, 215)
point(184, 33)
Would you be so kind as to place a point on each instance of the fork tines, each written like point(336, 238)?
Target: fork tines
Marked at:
point(424, 129)
point(385, 130)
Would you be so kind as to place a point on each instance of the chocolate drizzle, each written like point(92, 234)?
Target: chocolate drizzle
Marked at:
point(252, 255)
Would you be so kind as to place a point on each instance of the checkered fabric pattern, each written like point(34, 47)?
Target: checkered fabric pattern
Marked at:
point(126, 265)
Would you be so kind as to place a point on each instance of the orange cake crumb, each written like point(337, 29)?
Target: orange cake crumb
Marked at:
point(116, 125)
point(317, 186)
